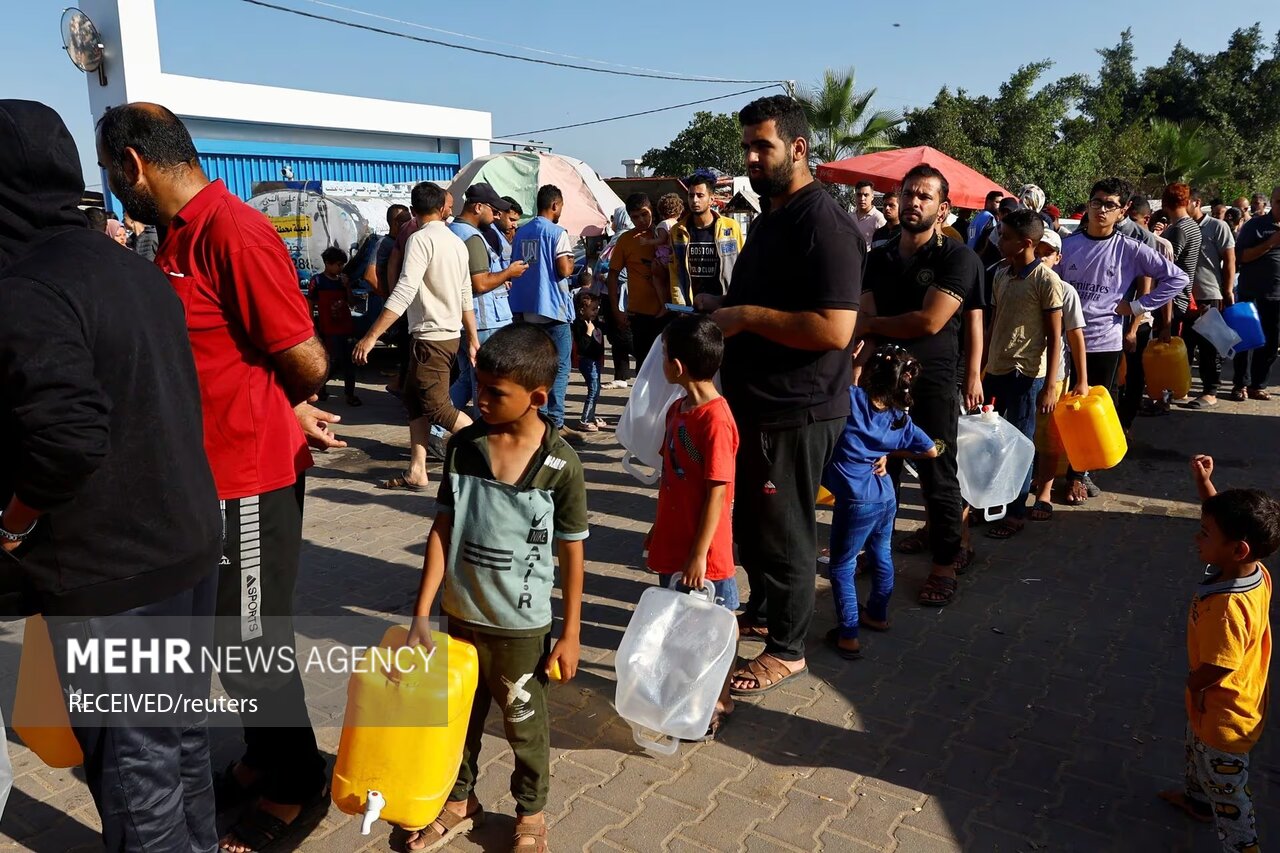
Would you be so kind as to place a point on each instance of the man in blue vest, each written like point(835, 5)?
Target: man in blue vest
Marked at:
point(490, 275)
point(541, 294)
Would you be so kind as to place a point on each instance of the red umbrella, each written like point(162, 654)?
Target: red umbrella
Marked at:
point(885, 169)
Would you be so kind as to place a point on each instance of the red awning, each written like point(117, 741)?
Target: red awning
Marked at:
point(885, 169)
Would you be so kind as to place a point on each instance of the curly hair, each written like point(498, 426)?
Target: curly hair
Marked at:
point(887, 379)
point(670, 206)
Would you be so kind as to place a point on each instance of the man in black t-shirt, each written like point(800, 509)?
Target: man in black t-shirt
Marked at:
point(788, 319)
point(891, 229)
point(921, 290)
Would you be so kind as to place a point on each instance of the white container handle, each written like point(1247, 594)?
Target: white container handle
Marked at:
point(667, 745)
point(708, 590)
point(648, 478)
point(989, 515)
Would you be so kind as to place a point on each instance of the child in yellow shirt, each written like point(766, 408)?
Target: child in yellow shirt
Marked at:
point(1229, 653)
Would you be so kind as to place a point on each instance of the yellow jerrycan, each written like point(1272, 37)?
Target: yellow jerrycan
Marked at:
point(1090, 430)
point(404, 728)
point(39, 711)
point(1167, 369)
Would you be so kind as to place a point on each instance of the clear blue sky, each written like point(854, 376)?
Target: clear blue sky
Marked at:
point(938, 43)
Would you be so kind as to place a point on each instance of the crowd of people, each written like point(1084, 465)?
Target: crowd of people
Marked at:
point(845, 342)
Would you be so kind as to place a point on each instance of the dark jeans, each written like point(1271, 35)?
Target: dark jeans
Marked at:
point(1254, 366)
point(591, 375)
point(151, 785)
point(1206, 354)
point(1102, 368)
point(937, 412)
point(504, 663)
point(1015, 397)
point(645, 331)
point(620, 342)
point(1135, 379)
point(775, 528)
point(855, 526)
point(263, 536)
point(339, 347)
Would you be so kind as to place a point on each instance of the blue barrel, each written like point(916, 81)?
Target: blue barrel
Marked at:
point(1243, 320)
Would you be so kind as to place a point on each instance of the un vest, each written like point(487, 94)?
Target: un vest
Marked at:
point(493, 309)
point(539, 291)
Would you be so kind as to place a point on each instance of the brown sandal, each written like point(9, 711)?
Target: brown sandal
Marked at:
point(767, 672)
point(445, 828)
point(1259, 394)
point(530, 837)
point(914, 542)
point(750, 629)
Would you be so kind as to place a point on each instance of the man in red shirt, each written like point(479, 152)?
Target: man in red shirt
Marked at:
point(257, 358)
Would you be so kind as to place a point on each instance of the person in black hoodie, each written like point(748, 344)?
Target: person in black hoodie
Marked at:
point(109, 521)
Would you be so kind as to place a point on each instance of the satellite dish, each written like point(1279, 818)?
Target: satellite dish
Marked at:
point(82, 42)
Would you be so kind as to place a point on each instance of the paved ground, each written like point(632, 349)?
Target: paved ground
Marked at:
point(1040, 712)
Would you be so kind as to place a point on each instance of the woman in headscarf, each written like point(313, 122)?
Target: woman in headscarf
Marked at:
point(117, 232)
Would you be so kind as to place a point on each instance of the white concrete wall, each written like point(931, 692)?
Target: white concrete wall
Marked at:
point(132, 63)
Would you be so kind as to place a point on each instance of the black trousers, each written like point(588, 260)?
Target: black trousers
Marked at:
point(775, 526)
point(645, 331)
point(151, 783)
point(1254, 366)
point(937, 411)
point(255, 611)
point(1135, 381)
point(1206, 353)
point(620, 342)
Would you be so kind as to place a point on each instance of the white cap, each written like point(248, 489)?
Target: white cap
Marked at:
point(1052, 239)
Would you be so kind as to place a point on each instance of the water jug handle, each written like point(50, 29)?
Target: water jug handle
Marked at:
point(708, 590)
point(393, 673)
point(646, 477)
point(999, 513)
point(667, 745)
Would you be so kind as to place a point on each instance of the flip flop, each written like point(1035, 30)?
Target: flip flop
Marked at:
point(1044, 508)
point(1004, 530)
point(259, 831)
point(833, 642)
point(400, 483)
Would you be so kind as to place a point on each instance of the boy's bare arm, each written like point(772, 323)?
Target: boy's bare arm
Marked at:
point(432, 576)
point(1202, 473)
point(1053, 346)
point(695, 567)
point(1203, 677)
point(566, 650)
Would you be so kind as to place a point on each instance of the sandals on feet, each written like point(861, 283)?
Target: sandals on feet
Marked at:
point(259, 830)
point(450, 826)
point(750, 629)
point(529, 838)
point(766, 671)
point(1076, 492)
point(914, 542)
point(833, 642)
point(228, 793)
point(1238, 395)
point(1042, 511)
point(1259, 394)
point(963, 560)
point(400, 483)
point(718, 721)
point(938, 591)
point(1004, 530)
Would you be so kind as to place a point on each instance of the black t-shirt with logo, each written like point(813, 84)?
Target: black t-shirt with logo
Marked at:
point(805, 256)
point(899, 286)
point(704, 261)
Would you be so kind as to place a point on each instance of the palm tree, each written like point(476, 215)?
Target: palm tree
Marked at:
point(1183, 153)
point(841, 121)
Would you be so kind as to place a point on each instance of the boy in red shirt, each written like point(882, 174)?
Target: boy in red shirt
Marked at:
point(330, 296)
point(693, 534)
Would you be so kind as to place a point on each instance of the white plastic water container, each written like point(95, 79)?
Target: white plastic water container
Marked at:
point(644, 420)
point(993, 458)
point(1213, 328)
point(672, 664)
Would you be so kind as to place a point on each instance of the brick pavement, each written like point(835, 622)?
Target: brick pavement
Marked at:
point(1039, 712)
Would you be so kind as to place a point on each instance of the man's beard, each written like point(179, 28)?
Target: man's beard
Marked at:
point(141, 206)
point(926, 223)
point(775, 181)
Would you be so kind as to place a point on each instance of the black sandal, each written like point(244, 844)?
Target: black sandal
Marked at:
point(1004, 530)
point(938, 591)
point(915, 542)
point(259, 830)
point(1042, 511)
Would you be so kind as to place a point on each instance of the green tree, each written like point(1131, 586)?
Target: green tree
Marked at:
point(1182, 153)
point(712, 140)
point(841, 120)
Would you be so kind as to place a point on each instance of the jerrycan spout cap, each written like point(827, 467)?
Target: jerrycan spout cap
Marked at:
point(374, 803)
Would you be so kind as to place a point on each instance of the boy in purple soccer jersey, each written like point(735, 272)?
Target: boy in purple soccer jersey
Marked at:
point(1101, 264)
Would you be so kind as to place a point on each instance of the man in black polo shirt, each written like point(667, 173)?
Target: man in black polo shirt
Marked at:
point(919, 286)
point(788, 318)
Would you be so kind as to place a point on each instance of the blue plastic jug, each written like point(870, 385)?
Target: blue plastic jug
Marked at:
point(1243, 320)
